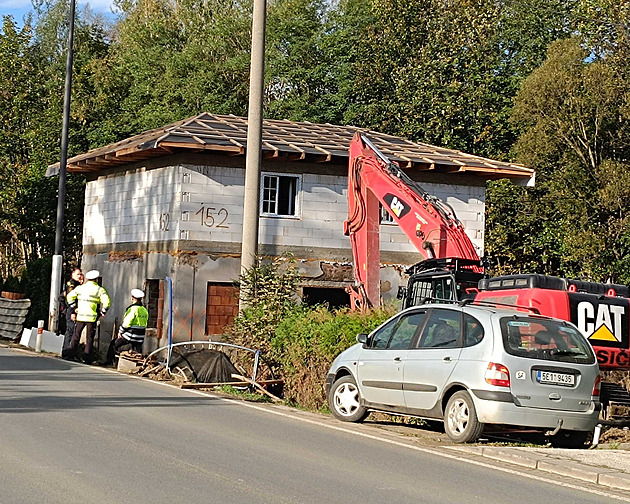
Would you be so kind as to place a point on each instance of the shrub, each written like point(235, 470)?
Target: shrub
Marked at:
point(36, 286)
point(306, 342)
point(298, 342)
point(268, 289)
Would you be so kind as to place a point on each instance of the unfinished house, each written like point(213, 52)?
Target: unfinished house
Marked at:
point(169, 203)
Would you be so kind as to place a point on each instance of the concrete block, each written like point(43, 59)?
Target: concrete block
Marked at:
point(325, 216)
point(294, 231)
point(127, 366)
point(473, 225)
point(26, 336)
point(51, 342)
point(332, 243)
point(317, 189)
point(570, 468)
point(321, 233)
point(290, 240)
point(235, 234)
point(397, 238)
point(615, 480)
point(468, 215)
point(313, 221)
point(513, 457)
point(329, 180)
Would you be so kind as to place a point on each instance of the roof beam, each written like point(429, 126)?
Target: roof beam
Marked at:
point(196, 146)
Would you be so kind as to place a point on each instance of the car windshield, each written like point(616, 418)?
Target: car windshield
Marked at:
point(544, 339)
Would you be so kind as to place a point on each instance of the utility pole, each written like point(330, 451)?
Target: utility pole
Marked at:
point(253, 160)
point(57, 259)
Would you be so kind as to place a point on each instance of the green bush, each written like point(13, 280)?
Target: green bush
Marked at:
point(268, 290)
point(298, 343)
point(36, 287)
point(12, 284)
point(306, 342)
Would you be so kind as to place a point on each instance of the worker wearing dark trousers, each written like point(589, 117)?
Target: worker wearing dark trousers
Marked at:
point(92, 302)
point(76, 279)
point(132, 329)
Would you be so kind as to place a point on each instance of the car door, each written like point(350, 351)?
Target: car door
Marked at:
point(380, 362)
point(431, 361)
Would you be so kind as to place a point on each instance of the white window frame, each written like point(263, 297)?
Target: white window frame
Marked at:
point(298, 192)
point(385, 217)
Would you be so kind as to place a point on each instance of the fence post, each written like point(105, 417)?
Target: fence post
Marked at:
point(40, 332)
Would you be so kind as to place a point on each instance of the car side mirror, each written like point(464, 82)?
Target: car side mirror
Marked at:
point(362, 338)
point(402, 293)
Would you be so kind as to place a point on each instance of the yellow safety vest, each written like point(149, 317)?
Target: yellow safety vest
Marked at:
point(91, 299)
point(134, 324)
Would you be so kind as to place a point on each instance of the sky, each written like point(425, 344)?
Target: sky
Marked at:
point(19, 8)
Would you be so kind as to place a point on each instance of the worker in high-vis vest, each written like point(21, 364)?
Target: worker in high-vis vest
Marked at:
point(91, 301)
point(133, 327)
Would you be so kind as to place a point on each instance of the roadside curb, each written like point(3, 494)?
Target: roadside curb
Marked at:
point(604, 476)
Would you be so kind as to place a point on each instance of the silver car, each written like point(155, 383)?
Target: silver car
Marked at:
point(470, 366)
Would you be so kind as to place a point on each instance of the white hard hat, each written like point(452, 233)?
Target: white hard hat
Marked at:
point(137, 293)
point(92, 275)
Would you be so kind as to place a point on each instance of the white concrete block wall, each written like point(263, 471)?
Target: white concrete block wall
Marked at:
point(205, 203)
point(132, 206)
point(468, 202)
point(211, 207)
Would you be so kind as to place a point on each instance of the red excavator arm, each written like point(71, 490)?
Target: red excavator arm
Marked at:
point(429, 223)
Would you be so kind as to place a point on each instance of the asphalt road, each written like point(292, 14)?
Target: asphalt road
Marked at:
point(77, 434)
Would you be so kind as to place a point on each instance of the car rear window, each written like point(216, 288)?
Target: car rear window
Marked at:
point(549, 340)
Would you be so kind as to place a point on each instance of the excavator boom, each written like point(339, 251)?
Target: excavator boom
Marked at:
point(429, 223)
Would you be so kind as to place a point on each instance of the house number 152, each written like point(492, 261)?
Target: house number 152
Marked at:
point(208, 217)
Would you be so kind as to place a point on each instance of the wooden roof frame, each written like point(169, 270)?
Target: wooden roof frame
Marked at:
point(287, 141)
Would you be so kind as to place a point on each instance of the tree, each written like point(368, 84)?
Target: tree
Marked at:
point(21, 100)
point(446, 72)
point(573, 116)
point(32, 65)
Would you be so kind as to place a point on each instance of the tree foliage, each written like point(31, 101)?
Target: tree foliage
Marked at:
point(446, 72)
point(572, 113)
point(542, 82)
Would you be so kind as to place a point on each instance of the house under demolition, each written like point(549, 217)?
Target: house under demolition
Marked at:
point(169, 203)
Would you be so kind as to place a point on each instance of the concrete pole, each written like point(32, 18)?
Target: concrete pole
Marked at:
point(55, 280)
point(253, 160)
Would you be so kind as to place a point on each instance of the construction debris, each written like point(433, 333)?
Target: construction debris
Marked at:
point(232, 384)
point(205, 365)
point(197, 369)
point(258, 387)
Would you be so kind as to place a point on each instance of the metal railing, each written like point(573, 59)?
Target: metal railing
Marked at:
point(210, 345)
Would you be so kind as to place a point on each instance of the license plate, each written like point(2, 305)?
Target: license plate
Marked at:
point(563, 379)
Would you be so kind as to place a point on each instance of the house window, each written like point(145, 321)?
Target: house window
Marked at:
point(332, 297)
point(279, 195)
point(386, 218)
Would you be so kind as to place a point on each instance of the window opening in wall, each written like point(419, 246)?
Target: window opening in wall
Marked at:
point(279, 194)
point(152, 301)
point(333, 297)
point(386, 218)
point(221, 306)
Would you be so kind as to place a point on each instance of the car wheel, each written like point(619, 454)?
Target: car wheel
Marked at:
point(345, 400)
point(569, 439)
point(460, 419)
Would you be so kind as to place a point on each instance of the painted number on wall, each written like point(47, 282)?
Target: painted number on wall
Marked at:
point(164, 220)
point(210, 217)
